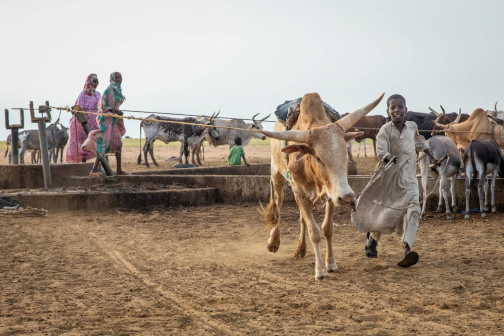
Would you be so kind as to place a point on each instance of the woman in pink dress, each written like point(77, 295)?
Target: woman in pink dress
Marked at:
point(107, 138)
point(88, 101)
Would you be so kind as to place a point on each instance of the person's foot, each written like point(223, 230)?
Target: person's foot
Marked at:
point(120, 172)
point(95, 174)
point(410, 258)
point(371, 247)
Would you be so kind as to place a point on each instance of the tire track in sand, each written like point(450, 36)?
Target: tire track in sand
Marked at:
point(178, 302)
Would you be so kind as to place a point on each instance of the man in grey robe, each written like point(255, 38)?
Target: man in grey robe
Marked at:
point(392, 203)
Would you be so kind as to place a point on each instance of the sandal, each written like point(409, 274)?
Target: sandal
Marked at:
point(409, 259)
point(95, 174)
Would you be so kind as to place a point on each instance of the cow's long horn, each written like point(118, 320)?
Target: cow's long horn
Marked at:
point(347, 122)
point(457, 120)
point(442, 109)
point(496, 105)
point(296, 136)
point(436, 113)
point(265, 117)
point(217, 114)
point(442, 126)
point(253, 118)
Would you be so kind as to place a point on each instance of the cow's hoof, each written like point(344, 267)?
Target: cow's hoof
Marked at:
point(300, 252)
point(467, 216)
point(449, 217)
point(157, 165)
point(494, 209)
point(321, 276)
point(439, 209)
point(332, 267)
point(483, 214)
point(455, 209)
point(273, 248)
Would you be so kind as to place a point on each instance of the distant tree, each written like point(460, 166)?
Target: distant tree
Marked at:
point(127, 137)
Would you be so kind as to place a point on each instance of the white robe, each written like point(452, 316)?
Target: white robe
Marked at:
point(398, 188)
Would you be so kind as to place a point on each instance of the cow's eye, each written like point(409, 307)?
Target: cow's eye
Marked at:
point(318, 159)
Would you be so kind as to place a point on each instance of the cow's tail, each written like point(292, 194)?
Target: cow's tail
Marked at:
point(139, 160)
point(7, 151)
point(473, 163)
point(270, 214)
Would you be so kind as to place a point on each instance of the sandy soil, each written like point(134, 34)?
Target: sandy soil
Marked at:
point(206, 271)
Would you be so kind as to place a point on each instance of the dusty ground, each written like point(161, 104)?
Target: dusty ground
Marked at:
point(206, 271)
point(214, 156)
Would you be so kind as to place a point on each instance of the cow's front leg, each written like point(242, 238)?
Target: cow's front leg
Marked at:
point(444, 189)
point(327, 229)
point(301, 246)
point(186, 152)
point(305, 207)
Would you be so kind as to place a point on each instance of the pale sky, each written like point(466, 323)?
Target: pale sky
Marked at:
point(247, 57)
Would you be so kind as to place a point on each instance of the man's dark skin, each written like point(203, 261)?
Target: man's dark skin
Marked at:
point(397, 111)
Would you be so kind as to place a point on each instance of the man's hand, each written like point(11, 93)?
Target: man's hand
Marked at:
point(391, 158)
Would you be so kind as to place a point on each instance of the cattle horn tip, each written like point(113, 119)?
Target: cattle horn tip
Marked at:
point(436, 113)
point(442, 109)
point(266, 117)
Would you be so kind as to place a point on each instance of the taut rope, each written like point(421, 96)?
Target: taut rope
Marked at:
point(113, 115)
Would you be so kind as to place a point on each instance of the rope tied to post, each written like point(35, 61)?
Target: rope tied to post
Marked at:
point(110, 115)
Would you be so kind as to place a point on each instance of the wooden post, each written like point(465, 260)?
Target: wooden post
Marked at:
point(44, 151)
point(14, 135)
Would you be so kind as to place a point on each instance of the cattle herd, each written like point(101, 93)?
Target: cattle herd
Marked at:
point(472, 142)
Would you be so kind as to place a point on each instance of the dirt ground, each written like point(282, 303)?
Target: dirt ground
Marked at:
point(214, 156)
point(206, 271)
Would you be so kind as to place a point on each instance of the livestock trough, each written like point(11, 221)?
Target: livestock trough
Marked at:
point(176, 187)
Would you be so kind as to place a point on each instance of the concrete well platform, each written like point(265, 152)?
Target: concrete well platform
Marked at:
point(31, 176)
point(113, 196)
point(254, 188)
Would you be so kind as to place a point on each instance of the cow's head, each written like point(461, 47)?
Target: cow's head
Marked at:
point(257, 126)
point(212, 131)
point(323, 148)
point(440, 128)
point(441, 119)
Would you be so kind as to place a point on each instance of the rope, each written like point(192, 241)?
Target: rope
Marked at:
point(28, 212)
point(152, 120)
point(356, 129)
point(164, 113)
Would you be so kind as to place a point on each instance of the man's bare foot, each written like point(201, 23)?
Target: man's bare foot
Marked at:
point(121, 173)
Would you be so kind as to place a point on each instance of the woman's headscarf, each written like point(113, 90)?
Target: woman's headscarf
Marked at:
point(116, 86)
point(87, 86)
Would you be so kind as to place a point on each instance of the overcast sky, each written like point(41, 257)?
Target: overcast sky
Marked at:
point(247, 57)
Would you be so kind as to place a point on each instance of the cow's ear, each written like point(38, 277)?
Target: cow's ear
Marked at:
point(300, 149)
point(352, 135)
